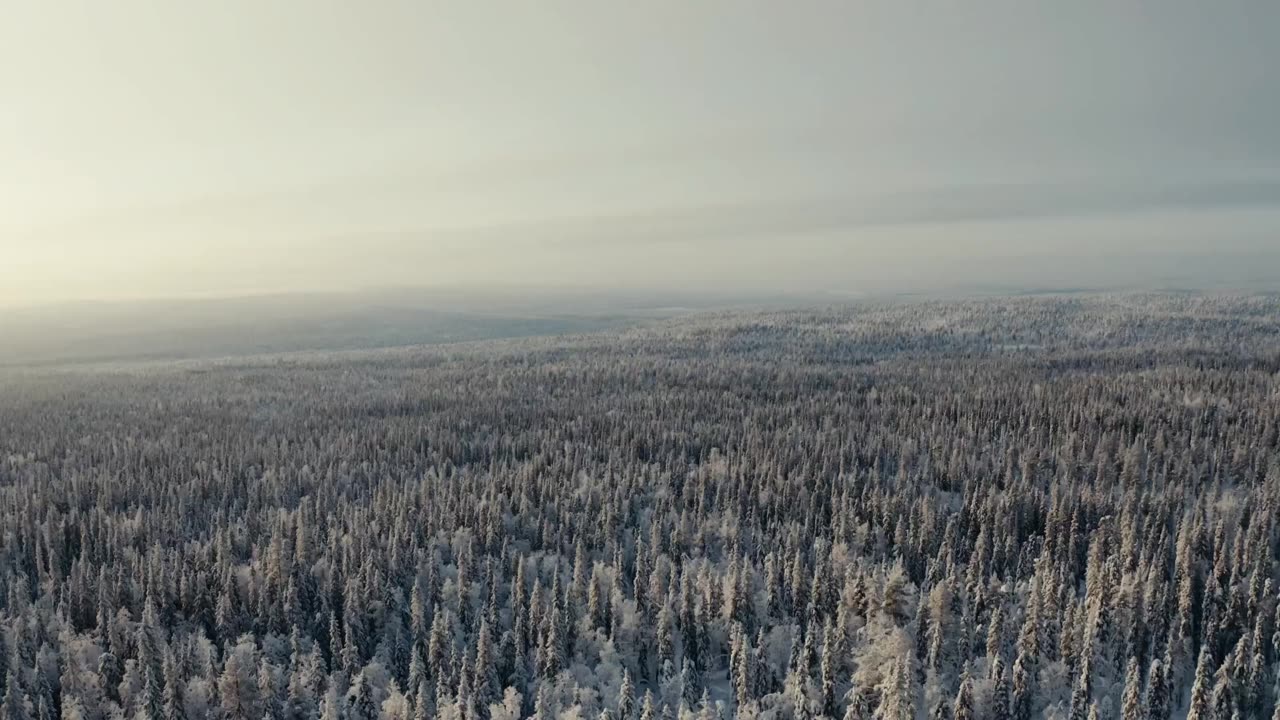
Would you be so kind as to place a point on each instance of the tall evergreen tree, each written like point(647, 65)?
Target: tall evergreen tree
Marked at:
point(964, 703)
point(174, 707)
point(1199, 707)
point(897, 699)
point(1158, 705)
point(1022, 694)
point(1131, 702)
point(238, 686)
point(648, 708)
point(626, 697)
point(1222, 702)
point(361, 705)
point(1000, 692)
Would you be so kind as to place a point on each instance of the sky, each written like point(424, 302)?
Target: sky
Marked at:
point(164, 148)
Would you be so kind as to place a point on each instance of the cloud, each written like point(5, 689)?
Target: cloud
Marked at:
point(812, 216)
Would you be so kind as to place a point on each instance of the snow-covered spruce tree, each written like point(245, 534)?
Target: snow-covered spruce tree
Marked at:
point(361, 704)
point(268, 692)
point(174, 704)
point(1131, 702)
point(1000, 692)
point(626, 697)
point(648, 707)
point(1023, 691)
point(1081, 702)
point(1222, 701)
point(898, 696)
point(238, 684)
point(832, 649)
point(1157, 703)
point(15, 705)
point(963, 708)
point(1199, 707)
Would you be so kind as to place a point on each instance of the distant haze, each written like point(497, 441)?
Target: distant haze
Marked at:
point(161, 148)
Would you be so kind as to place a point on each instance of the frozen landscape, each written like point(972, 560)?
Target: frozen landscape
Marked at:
point(1049, 507)
point(657, 360)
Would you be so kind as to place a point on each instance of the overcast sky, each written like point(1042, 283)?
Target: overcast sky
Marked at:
point(165, 147)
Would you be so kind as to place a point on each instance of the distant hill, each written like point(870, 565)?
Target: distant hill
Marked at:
point(181, 329)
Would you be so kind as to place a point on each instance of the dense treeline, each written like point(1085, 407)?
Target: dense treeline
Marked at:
point(1005, 509)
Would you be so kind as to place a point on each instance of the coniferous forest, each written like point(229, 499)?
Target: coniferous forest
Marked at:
point(997, 509)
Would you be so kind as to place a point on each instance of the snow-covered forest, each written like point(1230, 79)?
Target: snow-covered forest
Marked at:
point(993, 509)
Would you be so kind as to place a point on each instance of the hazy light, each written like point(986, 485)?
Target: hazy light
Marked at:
point(153, 148)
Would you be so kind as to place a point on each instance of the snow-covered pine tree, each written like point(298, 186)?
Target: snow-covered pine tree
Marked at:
point(1157, 703)
point(1199, 707)
point(1222, 702)
point(268, 692)
point(963, 708)
point(1131, 701)
point(238, 684)
point(361, 704)
point(174, 704)
point(1022, 694)
point(648, 708)
point(898, 696)
point(626, 697)
point(1000, 692)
